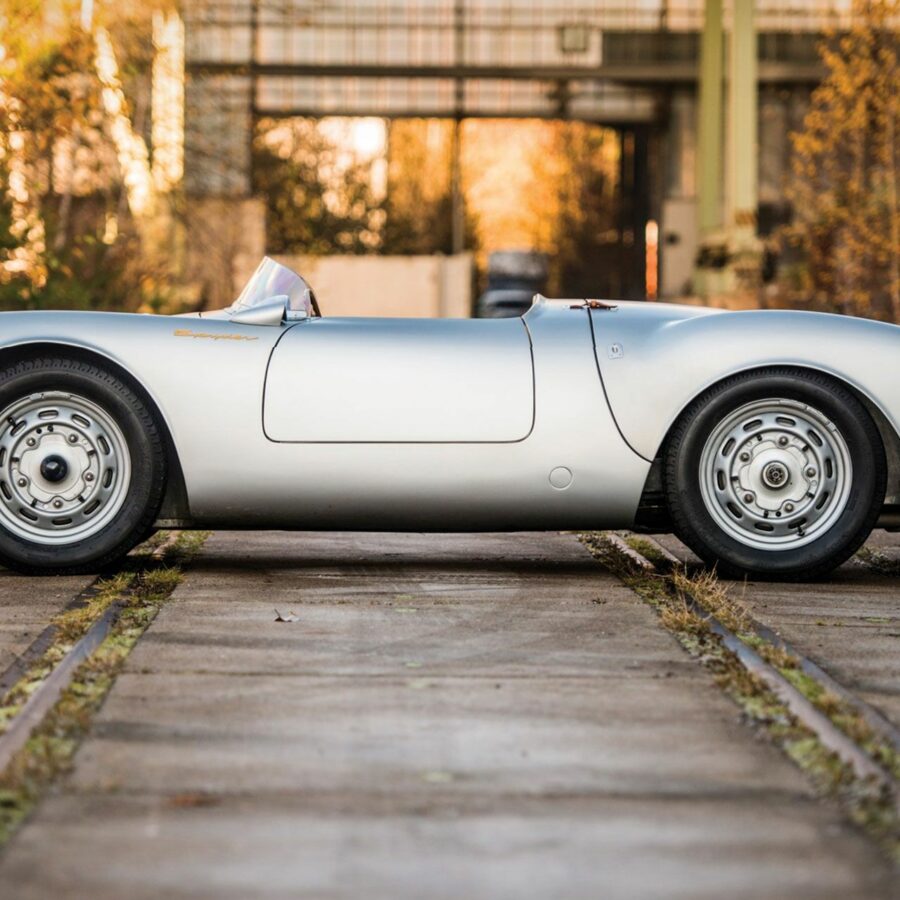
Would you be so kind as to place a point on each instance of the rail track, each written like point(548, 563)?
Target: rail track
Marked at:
point(39, 686)
point(869, 749)
point(49, 689)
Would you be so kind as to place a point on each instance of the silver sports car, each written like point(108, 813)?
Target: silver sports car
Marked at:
point(768, 441)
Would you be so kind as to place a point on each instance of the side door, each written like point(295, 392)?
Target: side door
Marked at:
point(368, 380)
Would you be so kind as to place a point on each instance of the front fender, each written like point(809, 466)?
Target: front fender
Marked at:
point(205, 377)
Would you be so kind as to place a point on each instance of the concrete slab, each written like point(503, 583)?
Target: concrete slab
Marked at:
point(500, 734)
point(439, 848)
point(479, 716)
point(403, 636)
point(848, 624)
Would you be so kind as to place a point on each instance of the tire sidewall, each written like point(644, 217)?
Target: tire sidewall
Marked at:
point(867, 487)
point(143, 445)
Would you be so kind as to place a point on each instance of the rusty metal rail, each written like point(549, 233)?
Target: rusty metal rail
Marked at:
point(829, 735)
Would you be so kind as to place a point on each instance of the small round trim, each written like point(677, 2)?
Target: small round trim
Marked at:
point(561, 477)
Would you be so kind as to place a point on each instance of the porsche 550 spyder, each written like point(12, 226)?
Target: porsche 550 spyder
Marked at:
point(768, 441)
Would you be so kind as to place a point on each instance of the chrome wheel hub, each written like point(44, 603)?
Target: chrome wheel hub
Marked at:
point(775, 474)
point(64, 468)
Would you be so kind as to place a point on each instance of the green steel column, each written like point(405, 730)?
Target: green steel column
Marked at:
point(742, 121)
point(457, 199)
point(710, 132)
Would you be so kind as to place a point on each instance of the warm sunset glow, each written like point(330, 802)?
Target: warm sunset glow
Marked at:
point(516, 182)
point(131, 150)
point(167, 132)
point(368, 137)
point(27, 225)
point(499, 169)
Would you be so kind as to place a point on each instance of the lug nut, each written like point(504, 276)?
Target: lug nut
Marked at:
point(22, 482)
point(748, 498)
point(31, 442)
point(810, 472)
point(57, 504)
point(745, 457)
point(788, 507)
point(73, 438)
point(782, 441)
point(89, 476)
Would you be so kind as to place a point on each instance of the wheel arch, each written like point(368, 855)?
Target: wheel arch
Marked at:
point(175, 507)
point(890, 439)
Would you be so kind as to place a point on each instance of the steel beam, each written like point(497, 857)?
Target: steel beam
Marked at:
point(743, 118)
point(710, 132)
point(618, 120)
point(660, 73)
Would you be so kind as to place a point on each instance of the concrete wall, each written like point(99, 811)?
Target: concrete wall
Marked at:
point(677, 246)
point(413, 286)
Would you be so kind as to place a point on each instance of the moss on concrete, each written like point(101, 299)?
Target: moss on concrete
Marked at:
point(878, 561)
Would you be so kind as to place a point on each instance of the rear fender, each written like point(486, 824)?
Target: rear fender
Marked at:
point(654, 365)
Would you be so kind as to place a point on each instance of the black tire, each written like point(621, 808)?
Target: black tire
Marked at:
point(144, 492)
point(691, 516)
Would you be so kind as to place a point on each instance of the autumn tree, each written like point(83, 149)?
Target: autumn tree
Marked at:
point(320, 198)
point(44, 97)
point(846, 189)
point(551, 187)
point(418, 203)
point(68, 236)
point(588, 253)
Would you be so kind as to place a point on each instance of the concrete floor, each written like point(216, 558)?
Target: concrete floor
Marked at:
point(451, 716)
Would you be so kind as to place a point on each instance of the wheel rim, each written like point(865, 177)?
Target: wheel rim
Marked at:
point(64, 468)
point(775, 474)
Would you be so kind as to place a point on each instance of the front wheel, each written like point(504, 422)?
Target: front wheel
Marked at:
point(82, 467)
point(777, 474)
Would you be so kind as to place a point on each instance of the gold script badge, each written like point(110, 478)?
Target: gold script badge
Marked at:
point(186, 332)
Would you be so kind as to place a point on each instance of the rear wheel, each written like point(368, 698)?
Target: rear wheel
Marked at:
point(82, 466)
point(779, 474)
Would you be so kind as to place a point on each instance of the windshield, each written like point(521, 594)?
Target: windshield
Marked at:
point(271, 279)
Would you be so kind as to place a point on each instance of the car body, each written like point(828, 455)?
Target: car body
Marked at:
point(275, 417)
